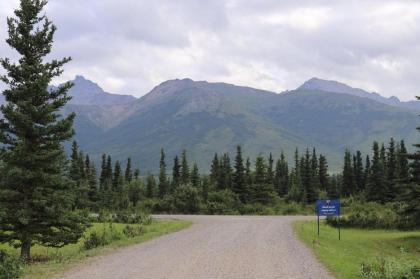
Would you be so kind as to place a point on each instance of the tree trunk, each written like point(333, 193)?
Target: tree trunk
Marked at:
point(25, 251)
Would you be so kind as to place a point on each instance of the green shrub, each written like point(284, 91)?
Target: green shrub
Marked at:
point(368, 215)
point(185, 199)
point(94, 240)
point(10, 266)
point(256, 209)
point(108, 235)
point(133, 231)
point(389, 269)
point(222, 202)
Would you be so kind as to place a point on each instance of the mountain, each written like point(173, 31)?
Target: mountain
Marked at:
point(205, 118)
point(86, 92)
point(338, 87)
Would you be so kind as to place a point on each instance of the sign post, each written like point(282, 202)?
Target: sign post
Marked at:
point(329, 208)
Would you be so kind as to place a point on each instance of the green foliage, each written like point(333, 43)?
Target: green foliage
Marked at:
point(185, 199)
point(106, 236)
point(222, 202)
point(133, 231)
point(369, 215)
point(10, 266)
point(384, 268)
point(35, 192)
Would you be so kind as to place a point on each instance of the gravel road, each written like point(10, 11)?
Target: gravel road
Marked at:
point(215, 247)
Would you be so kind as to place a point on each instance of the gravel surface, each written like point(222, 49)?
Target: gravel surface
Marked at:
point(215, 247)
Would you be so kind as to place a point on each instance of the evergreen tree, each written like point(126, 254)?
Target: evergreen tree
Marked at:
point(239, 186)
point(36, 197)
point(248, 173)
point(323, 172)
point(392, 169)
point(195, 176)
point(163, 180)
point(102, 177)
point(136, 174)
point(225, 173)
point(150, 186)
point(117, 177)
point(366, 174)
point(74, 163)
point(310, 193)
point(403, 162)
point(358, 171)
point(260, 170)
point(176, 173)
point(348, 185)
point(270, 170)
point(185, 170)
point(376, 188)
point(93, 194)
point(128, 172)
point(261, 191)
point(411, 195)
point(134, 192)
point(281, 178)
point(214, 171)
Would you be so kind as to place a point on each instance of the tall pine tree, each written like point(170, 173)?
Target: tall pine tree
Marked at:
point(35, 195)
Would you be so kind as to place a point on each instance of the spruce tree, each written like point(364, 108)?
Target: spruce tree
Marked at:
point(391, 171)
point(102, 177)
point(163, 180)
point(310, 193)
point(128, 175)
point(270, 170)
point(185, 170)
point(136, 174)
point(117, 177)
point(260, 170)
point(150, 186)
point(366, 174)
point(176, 173)
point(403, 162)
point(323, 172)
point(239, 186)
point(195, 176)
point(74, 163)
point(214, 170)
point(411, 194)
point(35, 195)
point(248, 173)
point(348, 185)
point(358, 171)
point(376, 188)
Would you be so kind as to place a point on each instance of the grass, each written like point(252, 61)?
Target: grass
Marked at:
point(52, 261)
point(344, 258)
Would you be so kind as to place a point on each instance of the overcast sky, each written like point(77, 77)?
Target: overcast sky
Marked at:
point(130, 46)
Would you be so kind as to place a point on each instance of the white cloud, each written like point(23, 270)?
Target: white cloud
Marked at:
point(128, 46)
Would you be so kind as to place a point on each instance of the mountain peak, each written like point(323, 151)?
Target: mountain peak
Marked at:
point(338, 87)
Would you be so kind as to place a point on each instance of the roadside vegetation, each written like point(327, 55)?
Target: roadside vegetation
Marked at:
point(364, 253)
point(99, 239)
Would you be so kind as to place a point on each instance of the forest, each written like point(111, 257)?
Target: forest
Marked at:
point(262, 185)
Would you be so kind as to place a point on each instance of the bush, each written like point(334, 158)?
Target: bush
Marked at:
point(95, 239)
point(185, 199)
point(368, 215)
point(389, 269)
point(222, 202)
point(256, 209)
point(10, 266)
point(133, 231)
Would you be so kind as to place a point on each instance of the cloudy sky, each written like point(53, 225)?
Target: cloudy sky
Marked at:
point(129, 46)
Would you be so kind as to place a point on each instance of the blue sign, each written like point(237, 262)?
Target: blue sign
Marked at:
point(328, 207)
